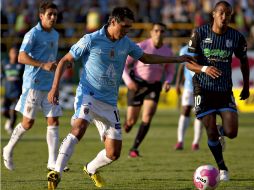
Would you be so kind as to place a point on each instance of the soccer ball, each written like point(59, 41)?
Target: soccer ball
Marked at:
point(206, 177)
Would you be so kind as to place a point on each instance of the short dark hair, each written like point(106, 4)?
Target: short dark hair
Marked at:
point(46, 4)
point(160, 24)
point(120, 13)
point(225, 3)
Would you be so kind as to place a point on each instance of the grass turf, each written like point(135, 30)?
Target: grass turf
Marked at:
point(160, 167)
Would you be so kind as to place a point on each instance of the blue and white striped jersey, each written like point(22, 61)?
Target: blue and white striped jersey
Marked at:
point(216, 50)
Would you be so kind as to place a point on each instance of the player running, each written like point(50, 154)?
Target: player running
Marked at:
point(214, 45)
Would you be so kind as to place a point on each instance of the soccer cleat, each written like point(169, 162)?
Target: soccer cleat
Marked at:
point(224, 175)
point(127, 128)
point(221, 138)
point(7, 157)
point(134, 154)
point(96, 178)
point(179, 146)
point(66, 169)
point(195, 147)
point(53, 180)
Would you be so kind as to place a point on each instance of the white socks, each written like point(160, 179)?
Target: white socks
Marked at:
point(197, 131)
point(65, 152)
point(99, 161)
point(15, 137)
point(183, 124)
point(52, 141)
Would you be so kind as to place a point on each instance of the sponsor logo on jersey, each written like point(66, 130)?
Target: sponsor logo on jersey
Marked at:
point(229, 43)
point(216, 52)
point(208, 41)
point(86, 109)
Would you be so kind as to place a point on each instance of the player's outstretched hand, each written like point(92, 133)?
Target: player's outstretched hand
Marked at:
point(245, 94)
point(213, 72)
point(166, 86)
point(132, 86)
point(53, 96)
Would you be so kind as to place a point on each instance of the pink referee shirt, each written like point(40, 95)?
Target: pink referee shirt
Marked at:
point(150, 72)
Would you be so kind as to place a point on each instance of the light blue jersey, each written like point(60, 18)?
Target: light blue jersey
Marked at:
point(41, 46)
point(187, 73)
point(103, 64)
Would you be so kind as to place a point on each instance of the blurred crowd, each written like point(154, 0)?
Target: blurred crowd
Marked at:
point(20, 15)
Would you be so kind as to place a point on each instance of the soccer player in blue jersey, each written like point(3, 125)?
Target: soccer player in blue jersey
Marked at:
point(214, 45)
point(187, 104)
point(12, 73)
point(103, 54)
point(38, 52)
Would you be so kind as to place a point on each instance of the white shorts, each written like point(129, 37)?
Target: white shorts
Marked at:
point(187, 98)
point(31, 100)
point(104, 116)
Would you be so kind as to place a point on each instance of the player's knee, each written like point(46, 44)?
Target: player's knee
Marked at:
point(53, 121)
point(113, 156)
point(232, 134)
point(131, 122)
point(28, 124)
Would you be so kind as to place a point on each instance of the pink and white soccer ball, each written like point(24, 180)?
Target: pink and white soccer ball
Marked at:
point(206, 177)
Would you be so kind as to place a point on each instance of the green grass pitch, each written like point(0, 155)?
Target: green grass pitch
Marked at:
point(159, 168)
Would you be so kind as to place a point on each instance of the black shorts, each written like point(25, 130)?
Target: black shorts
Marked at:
point(210, 102)
point(9, 103)
point(145, 91)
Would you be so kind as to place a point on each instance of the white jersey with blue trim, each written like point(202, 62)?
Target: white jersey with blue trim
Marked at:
point(103, 64)
point(187, 73)
point(41, 46)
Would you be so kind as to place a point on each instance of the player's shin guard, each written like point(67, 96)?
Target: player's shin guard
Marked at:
point(216, 150)
point(143, 129)
point(15, 137)
point(52, 141)
point(65, 152)
point(99, 161)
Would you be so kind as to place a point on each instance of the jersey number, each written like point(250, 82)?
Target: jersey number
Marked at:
point(197, 100)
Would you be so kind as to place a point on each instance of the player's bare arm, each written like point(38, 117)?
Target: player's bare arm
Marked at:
point(157, 59)
point(246, 75)
point(62, 65)
point(166, 86)
point(24, 58)
point(209, 70)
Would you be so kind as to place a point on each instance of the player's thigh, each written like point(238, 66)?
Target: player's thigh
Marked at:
point(230, 123)
point(209, 121)
point(132, 114)
point(149, 109)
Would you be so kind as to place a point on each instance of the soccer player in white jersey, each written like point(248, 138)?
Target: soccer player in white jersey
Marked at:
point(103, 53)
point(38, 52)
point(187, 104)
